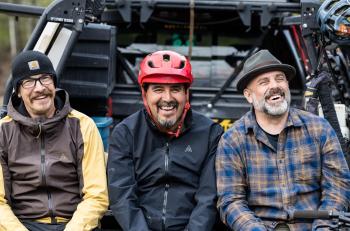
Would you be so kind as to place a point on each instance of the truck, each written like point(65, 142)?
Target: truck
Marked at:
point(96, 47)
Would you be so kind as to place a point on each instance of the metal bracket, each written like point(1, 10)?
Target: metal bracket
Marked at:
point(265, 12)
point(124, 8)
point(67, 11)
point(309, 9)
point(147, 9)
point(244, 12)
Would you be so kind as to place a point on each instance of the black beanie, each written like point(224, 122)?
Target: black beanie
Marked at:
point(29, 63)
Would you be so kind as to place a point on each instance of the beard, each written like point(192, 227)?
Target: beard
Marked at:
point(167, 123)
point(273, 109)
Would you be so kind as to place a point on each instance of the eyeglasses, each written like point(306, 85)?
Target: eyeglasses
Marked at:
point(45, 80)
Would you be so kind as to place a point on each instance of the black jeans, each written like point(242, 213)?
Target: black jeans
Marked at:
point(36, 226)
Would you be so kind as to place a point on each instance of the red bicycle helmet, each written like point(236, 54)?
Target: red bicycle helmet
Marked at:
point(334, 19)
point(165, 67)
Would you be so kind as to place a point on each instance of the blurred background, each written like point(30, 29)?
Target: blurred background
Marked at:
point(14, 32)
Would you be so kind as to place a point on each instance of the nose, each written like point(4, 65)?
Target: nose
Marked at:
point(38, 86)
point(167, 95)
point(273, 83)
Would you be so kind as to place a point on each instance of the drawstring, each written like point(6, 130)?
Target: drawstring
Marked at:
point(179, 127)
point(39, 125)
point(145, 103)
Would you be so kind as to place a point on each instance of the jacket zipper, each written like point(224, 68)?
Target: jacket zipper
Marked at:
point(43, 174)
point(165, 201)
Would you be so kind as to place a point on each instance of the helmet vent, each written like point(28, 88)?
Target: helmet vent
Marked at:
point(182, 64)
point(341, 10)
point(166, 57)
point(150, 64)
point(330, 5)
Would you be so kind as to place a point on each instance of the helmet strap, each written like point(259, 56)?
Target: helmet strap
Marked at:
point(179, 127)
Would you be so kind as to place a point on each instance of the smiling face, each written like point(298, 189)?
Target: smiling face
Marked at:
point(166, 103)
point(39, 98)
point(269, 93)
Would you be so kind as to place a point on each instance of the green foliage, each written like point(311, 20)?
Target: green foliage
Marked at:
point(4, 31)
point(24, 25)
point(23, 29)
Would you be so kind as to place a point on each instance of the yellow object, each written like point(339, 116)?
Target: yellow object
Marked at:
point(49, 220)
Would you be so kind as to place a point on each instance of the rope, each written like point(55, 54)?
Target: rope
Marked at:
point(190, 39)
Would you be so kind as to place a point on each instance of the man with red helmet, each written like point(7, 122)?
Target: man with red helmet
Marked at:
point(161, 172)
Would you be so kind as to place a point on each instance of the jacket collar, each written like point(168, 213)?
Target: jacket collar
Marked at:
point(17, 111)
point(251, 123)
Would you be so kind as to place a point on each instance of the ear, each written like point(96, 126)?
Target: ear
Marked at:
point(248, 95)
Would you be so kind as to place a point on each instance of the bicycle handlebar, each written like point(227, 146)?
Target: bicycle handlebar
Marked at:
point(320, 214)
point(311, 214)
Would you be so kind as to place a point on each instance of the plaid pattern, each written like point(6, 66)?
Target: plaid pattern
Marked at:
point(257, 184)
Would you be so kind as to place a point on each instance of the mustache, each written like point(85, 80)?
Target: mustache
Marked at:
point(274, 91)
point(45, 92)
point(168, 104)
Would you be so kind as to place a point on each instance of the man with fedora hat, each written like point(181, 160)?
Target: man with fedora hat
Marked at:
point(276, 159)
point(52, 168)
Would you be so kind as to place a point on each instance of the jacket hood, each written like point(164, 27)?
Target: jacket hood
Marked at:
point(18, 112)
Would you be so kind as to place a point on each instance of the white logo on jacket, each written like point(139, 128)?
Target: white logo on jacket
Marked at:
point(188, 149)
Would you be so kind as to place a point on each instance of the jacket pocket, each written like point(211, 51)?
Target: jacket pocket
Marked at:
point(154, 223)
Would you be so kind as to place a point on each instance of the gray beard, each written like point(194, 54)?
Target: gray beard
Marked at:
point(164, 123)
point(272, 110)
point(167, 124)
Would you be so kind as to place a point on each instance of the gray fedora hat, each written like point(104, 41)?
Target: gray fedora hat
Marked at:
point(261, 62)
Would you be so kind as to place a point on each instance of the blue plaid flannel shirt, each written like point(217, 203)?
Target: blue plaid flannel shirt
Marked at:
point(259, 186)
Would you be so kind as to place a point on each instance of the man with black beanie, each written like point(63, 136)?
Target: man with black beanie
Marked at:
point(52, 172)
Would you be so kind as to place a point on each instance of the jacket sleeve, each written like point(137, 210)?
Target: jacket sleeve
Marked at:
point(335, 183)
point(122, 183)
point(8, 220)
point(231, 185)
point(203, 216)
point(94, 191)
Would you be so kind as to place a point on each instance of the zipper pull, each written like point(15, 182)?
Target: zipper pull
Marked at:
point(167, 146)
point(38, 129)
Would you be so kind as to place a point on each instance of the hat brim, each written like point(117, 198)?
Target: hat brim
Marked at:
point(244, 80)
